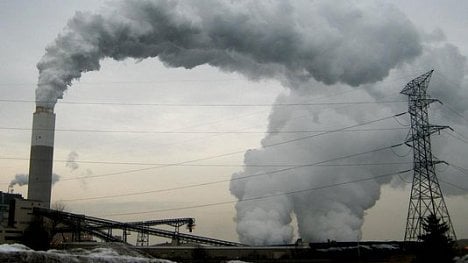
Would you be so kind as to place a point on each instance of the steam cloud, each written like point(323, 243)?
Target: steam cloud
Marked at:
point(74, 167)
point(71, 161)
point(312, 47)
point(288, 41)
point(338, 213)
point(23, 179)
point(20, 179)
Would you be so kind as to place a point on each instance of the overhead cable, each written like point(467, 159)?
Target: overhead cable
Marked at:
point(261, 197)
point(210, 105)
point(232, 179)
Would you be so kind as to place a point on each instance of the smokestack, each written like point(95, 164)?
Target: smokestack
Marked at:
point(42, 152)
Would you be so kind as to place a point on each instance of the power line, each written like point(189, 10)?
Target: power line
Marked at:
point(262, 197)
point(459, 168)
point(335, 131)
point(448, 81)
point(456, 112)
point(401, 155)
point(459, 134)
point(233, 153)
point(241, 151)
point(238, 178)
point(402, 124)
point(158, 81)
point(209, 165)
point(206, 105)
point(196, 165)
point(459, 137)
point(445, 104)
point(454, 185)
point(464, 171)
point(134, 82)
point(195, 132)
point(404, 180)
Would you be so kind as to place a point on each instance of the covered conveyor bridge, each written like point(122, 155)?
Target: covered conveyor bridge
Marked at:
point(77, 224)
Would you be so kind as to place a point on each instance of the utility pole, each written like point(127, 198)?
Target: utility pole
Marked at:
point(426, 196)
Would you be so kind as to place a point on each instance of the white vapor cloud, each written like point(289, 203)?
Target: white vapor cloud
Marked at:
point(364, 50)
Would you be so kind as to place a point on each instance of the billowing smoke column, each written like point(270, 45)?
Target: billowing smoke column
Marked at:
point(309, 46)
point(20, 179)
point(42, 153)
point(291, 41)
point(23, 179)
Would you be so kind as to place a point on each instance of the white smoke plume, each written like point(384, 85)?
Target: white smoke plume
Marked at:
point(75, 168)
point(71, 161)
point(23, 179)
point(20, 179)
point(338, 213)
point(314, 48)
point(292, 41)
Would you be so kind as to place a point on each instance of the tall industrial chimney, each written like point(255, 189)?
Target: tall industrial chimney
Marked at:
point(42, 152)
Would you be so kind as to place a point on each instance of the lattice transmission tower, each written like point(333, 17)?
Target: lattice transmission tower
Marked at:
point(426, 196)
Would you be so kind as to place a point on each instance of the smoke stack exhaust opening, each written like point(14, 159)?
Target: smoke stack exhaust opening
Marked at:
point(41, 158)
point(44, 109)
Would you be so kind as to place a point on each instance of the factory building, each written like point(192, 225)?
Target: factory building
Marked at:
point(15, 216)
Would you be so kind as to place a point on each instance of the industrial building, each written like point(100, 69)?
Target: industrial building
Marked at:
point(16, 215)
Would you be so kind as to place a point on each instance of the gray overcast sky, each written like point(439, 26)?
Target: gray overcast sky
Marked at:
point(27, 27)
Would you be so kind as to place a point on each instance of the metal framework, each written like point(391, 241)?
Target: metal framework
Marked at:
point(80, 224)
point(143, 236)
point(143, 239)
point(426, 196)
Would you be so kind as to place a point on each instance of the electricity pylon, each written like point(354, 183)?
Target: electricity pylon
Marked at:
point(426, 196)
